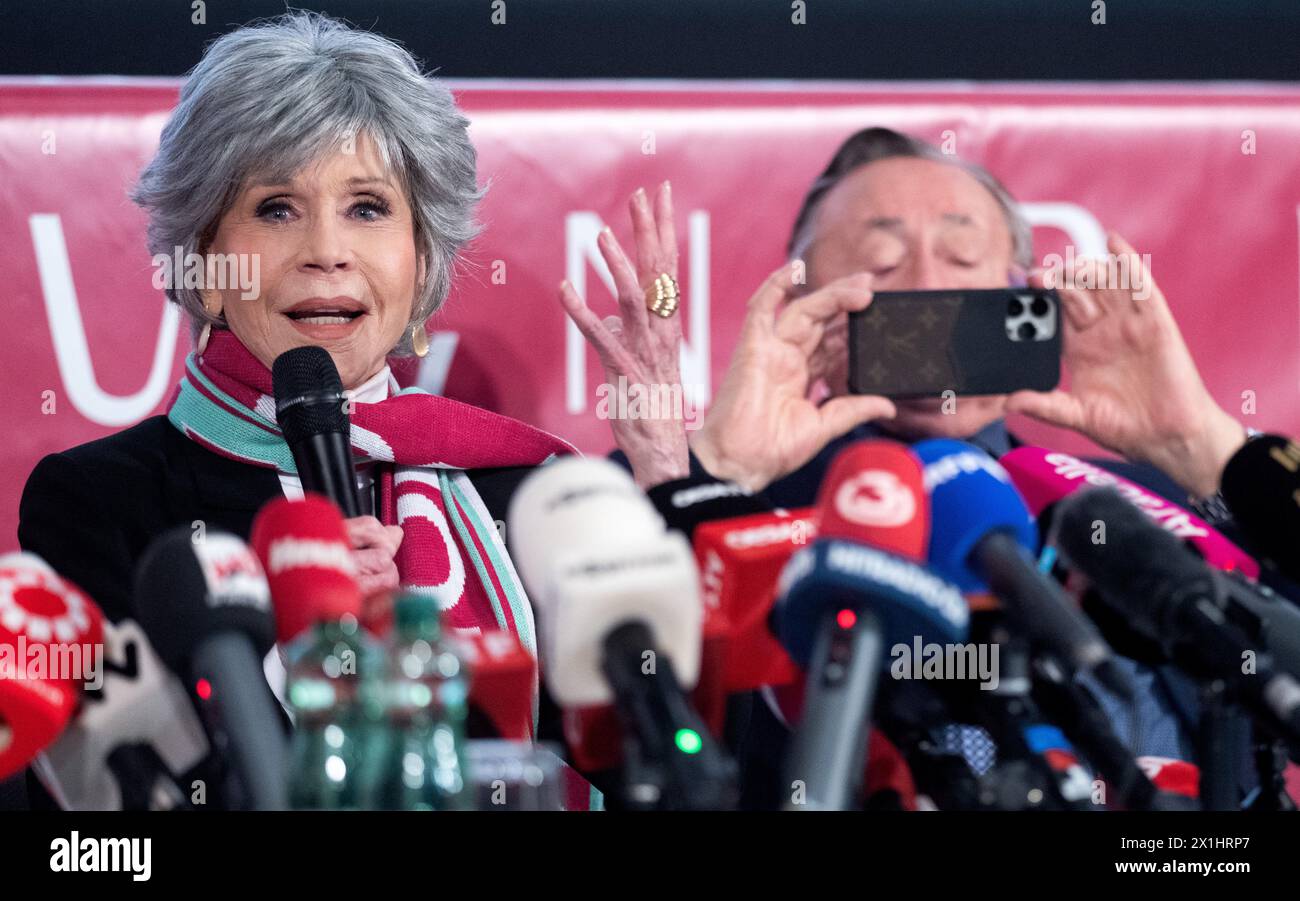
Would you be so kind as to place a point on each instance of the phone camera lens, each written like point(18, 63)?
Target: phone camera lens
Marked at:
point(1015, 307)
point(1039, 307)
point(1027, 331)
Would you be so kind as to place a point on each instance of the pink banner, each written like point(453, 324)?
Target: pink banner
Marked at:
point(1205, 179)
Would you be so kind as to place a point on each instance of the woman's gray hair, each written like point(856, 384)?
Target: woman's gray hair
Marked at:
point(272, 97)
point(871, 145)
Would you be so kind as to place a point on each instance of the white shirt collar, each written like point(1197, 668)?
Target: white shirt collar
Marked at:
point(374, 389)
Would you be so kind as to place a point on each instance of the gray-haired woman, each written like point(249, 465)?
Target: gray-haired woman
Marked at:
point(318, 158)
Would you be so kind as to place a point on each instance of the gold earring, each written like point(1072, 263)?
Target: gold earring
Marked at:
point(206, 332)
point(419, 340)
point(204, 335)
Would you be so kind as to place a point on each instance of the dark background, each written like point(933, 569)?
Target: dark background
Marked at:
point(843, 39)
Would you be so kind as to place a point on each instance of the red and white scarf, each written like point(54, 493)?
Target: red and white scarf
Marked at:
point(422, 445)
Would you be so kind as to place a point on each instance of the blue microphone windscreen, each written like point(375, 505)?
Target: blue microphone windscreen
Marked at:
point(832, 574)
point(970, 496)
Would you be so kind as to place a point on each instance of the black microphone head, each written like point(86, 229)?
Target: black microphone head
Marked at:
point(1131, 561)
point(189, 586)
point(308, 394)
point(1261, 485)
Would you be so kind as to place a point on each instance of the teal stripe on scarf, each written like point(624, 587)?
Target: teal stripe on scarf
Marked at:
point(216, 423)
point(513, 597)
point(512, 588)
point(451, 495)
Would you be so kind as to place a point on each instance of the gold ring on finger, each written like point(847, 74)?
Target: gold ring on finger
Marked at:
point(662, 297)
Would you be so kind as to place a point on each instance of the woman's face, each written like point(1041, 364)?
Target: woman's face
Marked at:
point(337, 264)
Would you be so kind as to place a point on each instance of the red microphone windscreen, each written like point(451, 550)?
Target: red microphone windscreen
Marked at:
point(51, 643)
point(502, 674)
point(874, 493)
point(304, 549)
point(740, 561)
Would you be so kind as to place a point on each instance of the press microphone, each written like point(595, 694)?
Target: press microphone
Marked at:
point(303, 547)
point(51, 645)
point(1171, 597)
point(740, 560)
point(1264, 617)
point(204, 602)
point(619, 621)
point(854, 591)
point(1044, 477)
point(982, 535)
point(310, 408)
point(134, 739)
point(1261, 486)
point(1175, 777)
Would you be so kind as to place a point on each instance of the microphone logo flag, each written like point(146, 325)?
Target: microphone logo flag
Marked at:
point(290, 552)
point(42, 607)
point(232, 573)
point(875, 497)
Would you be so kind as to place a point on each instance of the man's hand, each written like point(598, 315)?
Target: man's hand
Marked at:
point(374, 547)
point(762, 424)
point(638, 346)
point(1133, 386)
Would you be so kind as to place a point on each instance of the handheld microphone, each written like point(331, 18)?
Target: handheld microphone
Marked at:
point(1172, 598)
point(206, 607)
point(51, 644)
point(844, 598)
point(310, 409)
point(1261, 486)
point(982, 533)
point(1044, 477)
point(619, 620)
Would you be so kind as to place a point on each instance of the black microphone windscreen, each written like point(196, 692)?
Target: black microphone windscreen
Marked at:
point(186, 590)
point(1125, 555)
point(308, 394)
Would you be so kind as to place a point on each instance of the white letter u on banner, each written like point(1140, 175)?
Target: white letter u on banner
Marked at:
point(71, 351)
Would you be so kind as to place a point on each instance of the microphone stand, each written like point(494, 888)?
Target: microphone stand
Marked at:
point(1218, 787)
point(672, 760)
point(1086, 724)
point(1008, 712)
point(1270, 762)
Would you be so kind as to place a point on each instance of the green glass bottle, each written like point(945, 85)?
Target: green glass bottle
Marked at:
point(426, 697)
point(333, 668)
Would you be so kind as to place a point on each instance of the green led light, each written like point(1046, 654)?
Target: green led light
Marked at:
point(688, 741)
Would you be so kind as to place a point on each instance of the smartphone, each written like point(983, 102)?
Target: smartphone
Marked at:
point(923, 343)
